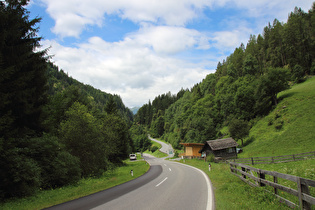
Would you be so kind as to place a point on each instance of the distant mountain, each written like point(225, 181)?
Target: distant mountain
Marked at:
point(135, 109)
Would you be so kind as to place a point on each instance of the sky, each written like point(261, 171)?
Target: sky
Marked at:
point(140, 49)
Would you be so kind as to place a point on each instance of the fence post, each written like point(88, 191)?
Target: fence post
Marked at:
point(261, 176)
point(244, 176)
point(252, 161)
point(303, 188)
point(293, 157)
point(275, 180)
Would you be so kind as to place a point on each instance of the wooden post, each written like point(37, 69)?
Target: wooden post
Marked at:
point(303, 188)
point(293, 157)
point(275, 180)
point(232, 168)
point(252, 161)
point(261, 176)
point(244, 176)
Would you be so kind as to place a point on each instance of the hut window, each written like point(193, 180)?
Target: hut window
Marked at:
point(230, 150)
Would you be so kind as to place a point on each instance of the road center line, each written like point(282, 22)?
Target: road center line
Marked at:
point(161, 182)
point(170, 169)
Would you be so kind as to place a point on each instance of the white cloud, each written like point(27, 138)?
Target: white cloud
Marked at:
point(72, 16)
point(227, 41)
point(170, 39)
point(129, 68)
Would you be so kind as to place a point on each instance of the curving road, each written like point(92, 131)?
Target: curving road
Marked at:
point(166, 148)
point(167, 185)
point(178, 187)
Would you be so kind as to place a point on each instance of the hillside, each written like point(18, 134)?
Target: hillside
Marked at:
point(58, 81)
point(289, 128)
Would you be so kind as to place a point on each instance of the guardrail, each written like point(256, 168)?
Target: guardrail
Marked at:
point(275, 159)
point(302, 191)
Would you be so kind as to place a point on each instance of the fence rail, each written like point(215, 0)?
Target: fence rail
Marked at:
point(302, 192)
point(275, 159)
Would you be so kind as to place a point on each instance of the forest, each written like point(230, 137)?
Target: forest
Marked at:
point(54, 130)
point(243, 88)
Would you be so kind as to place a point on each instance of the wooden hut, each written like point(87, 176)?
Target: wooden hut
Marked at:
point(192, 150)
point(220, 148)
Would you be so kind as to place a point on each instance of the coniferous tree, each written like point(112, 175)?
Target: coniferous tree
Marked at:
point(22, 72)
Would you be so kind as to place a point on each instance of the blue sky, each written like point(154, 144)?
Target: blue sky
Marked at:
point(139, 49)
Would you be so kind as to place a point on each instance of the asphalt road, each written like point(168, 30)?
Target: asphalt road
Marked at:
point(97, 199)
point(178, 187)
point(167, 185)
point(166, 148)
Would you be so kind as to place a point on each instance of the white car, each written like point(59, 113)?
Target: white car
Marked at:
point(133, 157)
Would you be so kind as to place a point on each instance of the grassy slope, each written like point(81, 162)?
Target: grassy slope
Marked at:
point(297, 112)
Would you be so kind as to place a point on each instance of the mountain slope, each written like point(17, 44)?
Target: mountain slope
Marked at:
point(58, 80)
point(289, 128)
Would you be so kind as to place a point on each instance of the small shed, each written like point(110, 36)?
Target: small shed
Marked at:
point(221, 148)
point(192, 150)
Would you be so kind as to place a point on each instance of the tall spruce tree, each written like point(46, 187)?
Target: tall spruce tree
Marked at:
point(22, 72)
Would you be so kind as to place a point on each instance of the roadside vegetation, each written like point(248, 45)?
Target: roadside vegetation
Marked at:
point(46, 198)
point(231, 192)
point(155, 150)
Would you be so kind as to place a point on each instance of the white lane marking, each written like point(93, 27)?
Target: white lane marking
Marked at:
point(210, 204)
point(165, 164)
point(170, 169)
point(161, 182)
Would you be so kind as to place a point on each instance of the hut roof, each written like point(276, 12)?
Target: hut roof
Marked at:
point(191, 144)
point(222, 143)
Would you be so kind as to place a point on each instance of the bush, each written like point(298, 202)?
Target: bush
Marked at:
point(176, 154)
point(154, 148)
point(36, 163)
point(19, 175)
point(297, 73)
point(210, 158)
point(58, 167)
point(278, 124)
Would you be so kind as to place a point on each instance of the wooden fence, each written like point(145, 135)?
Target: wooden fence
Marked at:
point(275, 159)
point(257, 178)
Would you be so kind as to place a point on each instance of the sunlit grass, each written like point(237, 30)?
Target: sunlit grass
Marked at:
point(296, 111)
point(232, 193)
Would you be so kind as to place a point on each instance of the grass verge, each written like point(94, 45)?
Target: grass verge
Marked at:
point(44, 199)
point(232, 193)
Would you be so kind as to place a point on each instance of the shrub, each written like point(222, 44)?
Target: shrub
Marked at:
point(210, 158)
point(19, 175)
point(176, 154)
point(297, 73)
point(154, 148)
point(278, 124)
